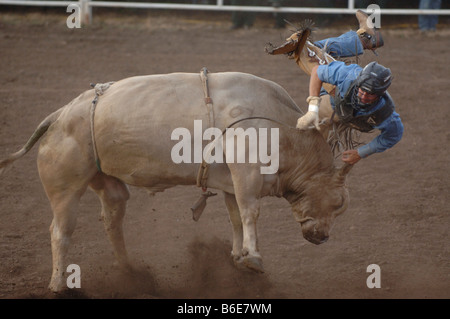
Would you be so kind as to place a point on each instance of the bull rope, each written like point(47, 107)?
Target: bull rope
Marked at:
point(203, 171)
point(202, 175)
point(99, 89)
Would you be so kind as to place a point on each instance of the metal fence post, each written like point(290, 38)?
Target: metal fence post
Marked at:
point(86, 12)
point(351, 4)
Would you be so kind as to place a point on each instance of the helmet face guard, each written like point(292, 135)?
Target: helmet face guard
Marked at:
point(359, 105)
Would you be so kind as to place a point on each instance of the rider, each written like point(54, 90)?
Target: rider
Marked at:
point(361, 101)
point(360, 98)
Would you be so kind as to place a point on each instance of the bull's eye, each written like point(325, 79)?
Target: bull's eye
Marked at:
point(339, 202)
point(339, 207)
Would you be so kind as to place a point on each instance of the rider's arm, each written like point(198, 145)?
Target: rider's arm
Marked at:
point(315, 83)
point(391, 133)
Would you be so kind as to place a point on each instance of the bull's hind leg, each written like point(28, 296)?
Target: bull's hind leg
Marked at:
point(113, 195)
point(65, 174)
point(64, 206)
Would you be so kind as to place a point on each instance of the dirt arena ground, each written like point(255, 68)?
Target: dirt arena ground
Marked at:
point(399, 212)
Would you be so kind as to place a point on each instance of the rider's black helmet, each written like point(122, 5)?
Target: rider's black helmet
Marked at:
point(374, 78)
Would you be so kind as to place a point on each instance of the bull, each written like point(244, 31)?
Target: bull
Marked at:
point(126, 140)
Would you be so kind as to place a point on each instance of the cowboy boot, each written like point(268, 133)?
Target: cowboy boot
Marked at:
point(363, 25)
point(370, 38)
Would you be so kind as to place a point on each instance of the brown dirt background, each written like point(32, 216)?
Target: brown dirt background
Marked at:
point(399, 212)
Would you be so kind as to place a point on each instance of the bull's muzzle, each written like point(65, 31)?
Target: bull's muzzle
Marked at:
point(314, 232)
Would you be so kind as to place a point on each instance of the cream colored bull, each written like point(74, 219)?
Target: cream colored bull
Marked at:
point(133, 123)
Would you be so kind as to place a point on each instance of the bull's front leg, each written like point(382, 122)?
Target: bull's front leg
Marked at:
point(236, 223)
point(247, 185)
point(250, 252)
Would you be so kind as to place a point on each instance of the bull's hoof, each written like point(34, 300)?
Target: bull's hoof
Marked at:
point(124, 267)
point(56, 285)
point(238, 262)
point(253, 263)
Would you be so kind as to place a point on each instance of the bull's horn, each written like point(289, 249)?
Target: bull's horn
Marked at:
point(343, 171)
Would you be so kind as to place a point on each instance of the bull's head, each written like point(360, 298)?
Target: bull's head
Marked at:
point(321, 202)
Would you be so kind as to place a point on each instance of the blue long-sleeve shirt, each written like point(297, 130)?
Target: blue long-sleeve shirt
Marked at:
point(342, 75)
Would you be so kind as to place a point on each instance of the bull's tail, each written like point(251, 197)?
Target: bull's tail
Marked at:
point(40, 130)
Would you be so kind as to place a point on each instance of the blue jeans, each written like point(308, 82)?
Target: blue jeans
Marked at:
point(346, 45)
point(428, 22)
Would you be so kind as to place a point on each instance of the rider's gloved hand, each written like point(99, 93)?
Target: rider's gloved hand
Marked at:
point(312, 116)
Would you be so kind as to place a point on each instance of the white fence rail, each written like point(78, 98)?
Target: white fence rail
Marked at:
point(87, 5)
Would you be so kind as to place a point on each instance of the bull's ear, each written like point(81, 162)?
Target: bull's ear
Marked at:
point(342, 172)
